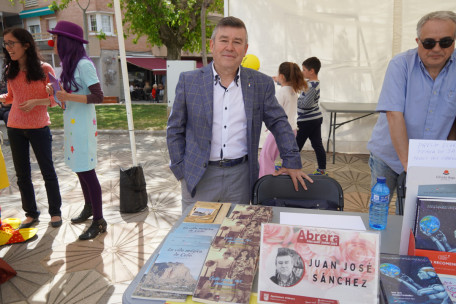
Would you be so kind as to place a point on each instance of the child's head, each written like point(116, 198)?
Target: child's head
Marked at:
point(312, 63)
point(292, 75)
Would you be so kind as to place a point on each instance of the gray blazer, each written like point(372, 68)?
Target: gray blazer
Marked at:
point(189, 131)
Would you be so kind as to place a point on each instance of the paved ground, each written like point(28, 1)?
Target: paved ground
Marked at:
point(57, 268)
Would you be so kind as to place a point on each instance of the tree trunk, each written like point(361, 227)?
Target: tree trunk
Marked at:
point(174, 52)
point(203, 33)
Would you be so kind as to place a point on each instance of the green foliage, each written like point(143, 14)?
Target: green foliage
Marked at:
point(114, 117)
point(174, 23)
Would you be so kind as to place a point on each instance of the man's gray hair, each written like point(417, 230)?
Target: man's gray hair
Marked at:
point(230, 22)
point(439, 15)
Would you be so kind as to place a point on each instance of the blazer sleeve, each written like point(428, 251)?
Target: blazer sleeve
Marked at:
point(175, 132)
point(276, 121)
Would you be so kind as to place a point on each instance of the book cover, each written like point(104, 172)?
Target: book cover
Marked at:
point(203, 212)
point(411, 280)
point(449, 282)
point(317, 265)
point(195, 229)
point(435, 226)
point(176, 269)
point(229, 270)
point(147, 294)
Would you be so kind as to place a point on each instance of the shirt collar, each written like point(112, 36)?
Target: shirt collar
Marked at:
point(217, 77)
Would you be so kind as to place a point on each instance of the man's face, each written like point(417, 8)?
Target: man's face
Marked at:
point(284, 265)
point(436, 57)
point(229, 48)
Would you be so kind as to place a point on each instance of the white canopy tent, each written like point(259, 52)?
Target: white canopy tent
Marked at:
point(354, 39)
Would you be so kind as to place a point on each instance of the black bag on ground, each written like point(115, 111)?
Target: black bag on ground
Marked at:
point(133, 193)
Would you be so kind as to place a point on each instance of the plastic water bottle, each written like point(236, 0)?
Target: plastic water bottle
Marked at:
point(379, 205)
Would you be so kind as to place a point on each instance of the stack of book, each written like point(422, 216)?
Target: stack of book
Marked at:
point(174, 273)
point(410, 280)
point(229, 269)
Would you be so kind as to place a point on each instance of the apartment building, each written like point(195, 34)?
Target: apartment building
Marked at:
point(146, 62)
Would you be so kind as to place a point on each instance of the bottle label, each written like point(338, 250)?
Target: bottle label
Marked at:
point(380, 198)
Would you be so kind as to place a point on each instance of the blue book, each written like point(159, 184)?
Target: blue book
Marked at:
point(435, 225)
point(410, 280)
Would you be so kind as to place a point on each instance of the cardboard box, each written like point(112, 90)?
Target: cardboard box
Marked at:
point(443, 262)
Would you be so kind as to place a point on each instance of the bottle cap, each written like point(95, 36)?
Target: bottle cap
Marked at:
point(381, 179)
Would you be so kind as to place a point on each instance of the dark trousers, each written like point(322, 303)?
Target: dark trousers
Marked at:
point(312, 129)
point(41, 142)
point(92, 192)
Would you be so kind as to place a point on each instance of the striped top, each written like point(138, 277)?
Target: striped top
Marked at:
point(19, 91)
point(308, 108)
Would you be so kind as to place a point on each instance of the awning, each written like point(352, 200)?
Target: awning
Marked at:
point(157, 65)
point(153, 64)
point(42, 11)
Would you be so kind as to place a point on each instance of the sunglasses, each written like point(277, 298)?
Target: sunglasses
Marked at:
point(430, 43)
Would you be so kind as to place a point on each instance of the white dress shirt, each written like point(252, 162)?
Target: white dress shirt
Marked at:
point(229, 126)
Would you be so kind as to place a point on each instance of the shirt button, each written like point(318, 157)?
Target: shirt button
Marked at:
point(427, 129)
point(226, 108)
point(225, 127)
point(224, 145)
point(204, 165)
point(435, 92)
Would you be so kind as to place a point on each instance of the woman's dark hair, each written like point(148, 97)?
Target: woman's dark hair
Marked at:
point(293, 75)
point(70, 52)
point(33, 60)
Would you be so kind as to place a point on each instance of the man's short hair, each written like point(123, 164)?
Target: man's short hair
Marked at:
point(284, 252)
point(439, 15)
point(230, 22)
point(312, 63)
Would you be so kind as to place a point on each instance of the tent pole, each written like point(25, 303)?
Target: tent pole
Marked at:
point(123, 64)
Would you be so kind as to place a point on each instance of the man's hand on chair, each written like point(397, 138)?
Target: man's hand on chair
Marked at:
point(296, 175)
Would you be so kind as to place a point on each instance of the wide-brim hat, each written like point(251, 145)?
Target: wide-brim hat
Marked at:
point(70, 30)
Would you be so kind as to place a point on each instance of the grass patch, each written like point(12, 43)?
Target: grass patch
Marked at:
point(114, 117)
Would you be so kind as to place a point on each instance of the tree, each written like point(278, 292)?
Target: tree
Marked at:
point(173, 23)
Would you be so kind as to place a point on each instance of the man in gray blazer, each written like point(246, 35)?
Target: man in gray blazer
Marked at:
point(214, 128)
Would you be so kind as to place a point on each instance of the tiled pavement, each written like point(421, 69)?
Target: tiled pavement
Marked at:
point(58, 268)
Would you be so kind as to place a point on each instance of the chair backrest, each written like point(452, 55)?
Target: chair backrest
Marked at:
point(324, 193)
point(401, 189)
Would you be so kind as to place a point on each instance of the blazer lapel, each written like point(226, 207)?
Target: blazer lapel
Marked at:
point(208, 92)
point(248, 94)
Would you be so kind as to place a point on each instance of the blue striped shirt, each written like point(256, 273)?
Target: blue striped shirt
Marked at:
point(308, 108)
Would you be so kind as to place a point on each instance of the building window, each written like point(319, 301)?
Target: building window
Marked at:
point(34, 29)
point(106, 23)
point(93, 23)
point(29, 3)
point(101, 22)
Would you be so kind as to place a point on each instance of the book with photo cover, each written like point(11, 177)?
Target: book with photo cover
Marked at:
point(147, 294)
point(207, 212)
point(177, 266)
point(410, 280)
point(317, 265)
point(229, 270)
point(435, 225)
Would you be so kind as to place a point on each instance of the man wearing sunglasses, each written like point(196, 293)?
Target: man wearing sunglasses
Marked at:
point(418, 97)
